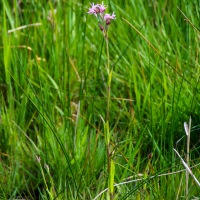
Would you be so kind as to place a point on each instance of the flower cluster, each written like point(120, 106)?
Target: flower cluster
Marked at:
point(104, 19)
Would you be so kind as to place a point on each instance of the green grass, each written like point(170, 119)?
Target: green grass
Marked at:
point(53, 85)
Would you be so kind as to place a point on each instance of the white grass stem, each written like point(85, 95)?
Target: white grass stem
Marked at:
point(142, 179)
point(187, 168)
point(31, 141)
point(24, 27)
point(187, 131)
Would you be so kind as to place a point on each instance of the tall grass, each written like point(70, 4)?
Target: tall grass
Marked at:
point(53, 85)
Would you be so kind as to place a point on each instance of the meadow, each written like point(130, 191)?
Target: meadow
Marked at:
point(84, 115)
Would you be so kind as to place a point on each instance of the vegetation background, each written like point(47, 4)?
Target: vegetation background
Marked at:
point(53, 96)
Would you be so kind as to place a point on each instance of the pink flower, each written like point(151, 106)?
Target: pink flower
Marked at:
point(38, 158)
point(94, 9)
point(103, 18)
point(108, 17)
point(102, 7)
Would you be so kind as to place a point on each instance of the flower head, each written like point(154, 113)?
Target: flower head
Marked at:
point(108, 17)
point(103, 18)
point(94, 9)
point(102, 7)
point(38, 158)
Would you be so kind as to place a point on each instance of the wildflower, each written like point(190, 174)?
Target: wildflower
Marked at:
point(108, 17)
point(94, 9)
point(102, 7)
point(38, 158)
point(103, 18)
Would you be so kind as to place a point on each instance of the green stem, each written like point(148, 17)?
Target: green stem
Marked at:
point(110, 168)
point(43, 176)
point(109, 81)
